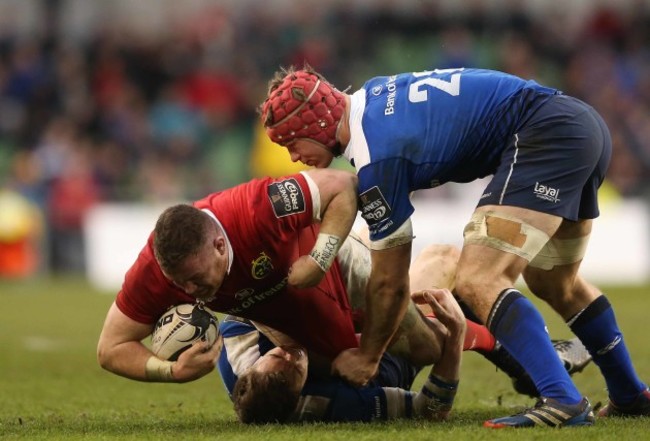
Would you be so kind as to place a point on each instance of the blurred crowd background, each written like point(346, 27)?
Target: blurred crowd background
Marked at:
point(155, 100)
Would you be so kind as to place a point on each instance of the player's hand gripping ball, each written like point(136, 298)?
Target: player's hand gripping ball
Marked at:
point(181, 326)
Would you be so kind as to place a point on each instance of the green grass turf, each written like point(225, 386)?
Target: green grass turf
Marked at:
point(52, 388)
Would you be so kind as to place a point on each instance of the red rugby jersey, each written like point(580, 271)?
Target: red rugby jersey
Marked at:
point(268, 223)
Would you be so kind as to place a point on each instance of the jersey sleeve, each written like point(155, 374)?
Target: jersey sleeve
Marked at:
point(333, 400)
point(385, 203)
point(277, 207)
point(288, 204)
point(243, 345)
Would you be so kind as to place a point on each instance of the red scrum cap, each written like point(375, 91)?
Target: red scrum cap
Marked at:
point(303, 105)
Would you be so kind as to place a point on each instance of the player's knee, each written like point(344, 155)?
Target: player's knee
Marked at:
point(478, 290)
point(563, 291)
point(559, 299)
point(444, 252)
point(435, 266)
point(468, 285)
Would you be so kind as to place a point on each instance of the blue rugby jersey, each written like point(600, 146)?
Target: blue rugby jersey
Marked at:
point(328, 399)
point(419, 130)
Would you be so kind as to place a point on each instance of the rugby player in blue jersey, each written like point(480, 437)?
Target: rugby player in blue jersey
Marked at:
point(269, 383)
point(548, 154)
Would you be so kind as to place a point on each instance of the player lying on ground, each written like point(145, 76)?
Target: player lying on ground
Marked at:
point(266, 381)
point(276, 388)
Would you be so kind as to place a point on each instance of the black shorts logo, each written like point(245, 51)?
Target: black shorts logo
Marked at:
point(286, 197)
point(374, 207)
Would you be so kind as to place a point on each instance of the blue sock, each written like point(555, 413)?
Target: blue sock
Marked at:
point(596, 327)
point(520, 328)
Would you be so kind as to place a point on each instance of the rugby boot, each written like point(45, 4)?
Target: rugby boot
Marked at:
point(637, 408)
point(572, 353)
point(549, 413)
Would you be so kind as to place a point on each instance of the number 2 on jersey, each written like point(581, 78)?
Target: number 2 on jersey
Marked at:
point(452, 87)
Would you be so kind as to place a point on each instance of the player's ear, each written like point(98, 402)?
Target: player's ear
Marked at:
point(219, 243)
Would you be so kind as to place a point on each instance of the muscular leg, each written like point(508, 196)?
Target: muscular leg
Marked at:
point(434, 267)
point(485, 271)
point(497, 250)
point(561, 286)
point(589, 315)
point(418, 340)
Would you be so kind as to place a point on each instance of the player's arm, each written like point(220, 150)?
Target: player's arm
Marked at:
point(334, 200)
point(120, 351)
point(388, 397)
point(386, 209)
point(387, 297)
point(242, 347)
point(333, 400)
point(435, 400)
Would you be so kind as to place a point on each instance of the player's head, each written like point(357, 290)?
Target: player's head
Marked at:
point(191, 250)
point(303, 107)
point(269, 391)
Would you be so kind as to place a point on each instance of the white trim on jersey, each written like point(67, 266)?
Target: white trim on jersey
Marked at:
point(230, 253)
point(315, 196)
point(243, 351)
point(401, 236)
point(357, 149)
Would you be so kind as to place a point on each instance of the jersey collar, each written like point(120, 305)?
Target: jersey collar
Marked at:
point(230, 253)
point(357, 149)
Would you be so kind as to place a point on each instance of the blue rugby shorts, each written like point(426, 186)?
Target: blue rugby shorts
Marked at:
point(555, 163)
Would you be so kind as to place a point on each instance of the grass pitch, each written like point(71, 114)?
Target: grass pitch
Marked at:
point(51, 386)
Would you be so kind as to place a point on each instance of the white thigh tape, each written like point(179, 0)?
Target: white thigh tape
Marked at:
point(560, 252)
point(505, 233)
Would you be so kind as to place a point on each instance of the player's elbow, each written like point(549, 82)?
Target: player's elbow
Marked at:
point(390, 269)
point(352, 182)
point(345, 181)
point(104, 357)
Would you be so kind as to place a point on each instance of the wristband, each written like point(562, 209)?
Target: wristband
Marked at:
point(442, 386)
point(159, 370)
point(440, 392)
point(325, 249)
point(439, 395)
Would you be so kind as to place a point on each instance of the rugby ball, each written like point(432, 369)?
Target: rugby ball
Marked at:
point(179, 327)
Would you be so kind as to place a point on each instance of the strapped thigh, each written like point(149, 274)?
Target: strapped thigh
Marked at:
point(560, 252)
point(504, 233)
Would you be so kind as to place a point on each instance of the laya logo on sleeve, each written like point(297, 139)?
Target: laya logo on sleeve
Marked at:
point(286, 197)
point(374, 207)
